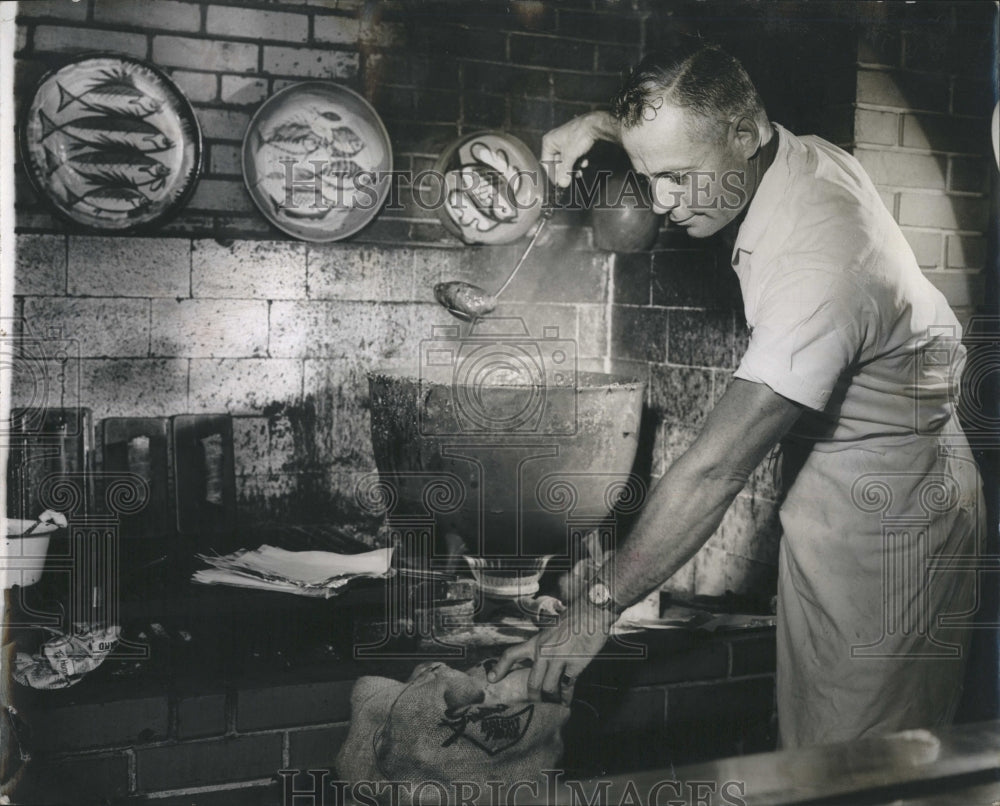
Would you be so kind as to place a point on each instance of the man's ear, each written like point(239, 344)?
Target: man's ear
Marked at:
point(745, 136)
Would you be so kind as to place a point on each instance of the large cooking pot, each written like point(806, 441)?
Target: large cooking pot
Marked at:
point(509, 463)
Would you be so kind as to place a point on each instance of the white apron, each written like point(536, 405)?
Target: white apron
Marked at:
point(871, 636)
point(881, 483)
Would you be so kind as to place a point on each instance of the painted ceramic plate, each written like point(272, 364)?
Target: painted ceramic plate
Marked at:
point(111, 142)
point(490, 190)
point(317, 161)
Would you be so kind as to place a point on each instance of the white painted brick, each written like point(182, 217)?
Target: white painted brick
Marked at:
point(224, 195)
point(270, 25)
point(337, 30)
point(249, 269)
point(58, 38)
point(945, 133)
point(360, 273)
point(943, 212)
point(209, 328)
point(169, 14)
point(46, 382)
point(104, 327)
point(926, 247)
point(40, 264)
point(207, 54)
point(120, 387)
point(960, 288)
point(223, 124)
point(243, 90)
point(432, 265)
point(129, 267)
point(592, 340)
point(902, 90)
point(888, 199)
point(966, 252)
point(60, 9)
point(880, 128)
point(360, 331)
point(225, 159)
point(340, 392)
point(710, 571)
point(244, 385)
point(198, 87)
point(310, 62)
point(250, 445)
point(904, 170)
point(346, 6)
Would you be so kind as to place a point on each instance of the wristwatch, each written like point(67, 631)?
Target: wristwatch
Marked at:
point(599, 595)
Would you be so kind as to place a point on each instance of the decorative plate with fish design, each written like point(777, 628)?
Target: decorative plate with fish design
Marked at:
point(317, 161)
point(492, 188)
point(111, 142)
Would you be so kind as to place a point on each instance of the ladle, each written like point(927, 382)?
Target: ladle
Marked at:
point(468, 302)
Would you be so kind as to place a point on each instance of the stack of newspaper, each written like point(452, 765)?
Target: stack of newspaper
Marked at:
point(307, 573)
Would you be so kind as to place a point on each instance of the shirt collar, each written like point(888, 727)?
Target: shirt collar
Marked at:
point(764, 202)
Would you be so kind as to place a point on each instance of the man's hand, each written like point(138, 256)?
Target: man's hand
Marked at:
point(563, 146)
point(559, 653)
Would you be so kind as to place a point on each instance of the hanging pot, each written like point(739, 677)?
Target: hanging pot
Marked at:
point(622, 215)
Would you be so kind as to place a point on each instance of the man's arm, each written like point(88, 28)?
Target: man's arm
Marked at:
point(688, 504)
point(685, 508)
point(562, 147)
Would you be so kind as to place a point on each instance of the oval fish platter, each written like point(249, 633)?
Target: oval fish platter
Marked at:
point(317, 161)
point(111, 143)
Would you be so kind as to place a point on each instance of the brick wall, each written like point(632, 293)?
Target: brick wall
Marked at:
point(217, 311)
point(924, 101)
point(221, 312)
point(693, 697)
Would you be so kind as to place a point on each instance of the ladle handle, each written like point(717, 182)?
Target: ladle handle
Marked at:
point(546, 215)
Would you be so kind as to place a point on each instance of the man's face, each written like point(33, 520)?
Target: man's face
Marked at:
point(699, 182)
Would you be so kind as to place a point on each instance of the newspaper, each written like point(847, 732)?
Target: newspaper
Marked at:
point(306, 573)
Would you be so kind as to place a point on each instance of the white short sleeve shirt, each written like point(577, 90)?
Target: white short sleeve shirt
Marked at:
point(842, 319)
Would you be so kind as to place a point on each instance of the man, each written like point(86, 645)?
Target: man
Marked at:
point(852, 364)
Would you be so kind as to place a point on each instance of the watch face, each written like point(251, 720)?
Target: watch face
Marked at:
point(599, 594)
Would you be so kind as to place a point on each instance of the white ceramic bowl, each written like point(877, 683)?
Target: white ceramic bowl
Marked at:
point(24, 557)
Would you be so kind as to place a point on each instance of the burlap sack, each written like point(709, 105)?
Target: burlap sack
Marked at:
point(451, 728)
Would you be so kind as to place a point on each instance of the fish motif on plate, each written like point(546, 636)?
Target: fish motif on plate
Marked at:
point(317, 161)
point(111, 143)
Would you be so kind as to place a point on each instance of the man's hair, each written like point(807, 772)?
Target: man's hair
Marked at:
point(696, 76)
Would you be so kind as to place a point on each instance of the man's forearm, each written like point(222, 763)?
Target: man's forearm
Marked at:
point(686, 507)
point(683, 511)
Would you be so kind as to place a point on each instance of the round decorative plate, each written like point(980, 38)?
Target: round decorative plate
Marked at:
point(317, 161)
point(488, 188)
point(111, 142)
